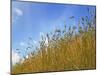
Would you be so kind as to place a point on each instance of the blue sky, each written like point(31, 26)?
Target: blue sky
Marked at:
point(30, 19)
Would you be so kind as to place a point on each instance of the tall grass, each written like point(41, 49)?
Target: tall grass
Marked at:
point(71, 49)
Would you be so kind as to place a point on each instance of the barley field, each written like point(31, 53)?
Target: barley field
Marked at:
point(70, 48)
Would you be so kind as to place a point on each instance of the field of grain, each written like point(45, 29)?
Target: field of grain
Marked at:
point(72, 48)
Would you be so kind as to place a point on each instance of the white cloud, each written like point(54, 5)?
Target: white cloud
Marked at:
point(16, 14)
point(15, 57)
point(22, 44)
point(18, 11)
point(34, 42)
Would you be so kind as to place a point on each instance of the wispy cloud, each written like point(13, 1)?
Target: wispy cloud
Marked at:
point(15, 57)
point(35, 42)
point(18, 11)
point(22, 44)
point(16, 14)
